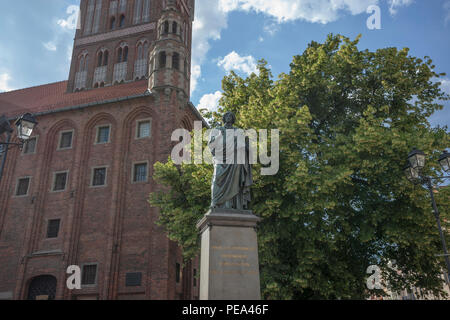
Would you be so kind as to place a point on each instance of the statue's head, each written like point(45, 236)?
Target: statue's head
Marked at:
point(229, 118)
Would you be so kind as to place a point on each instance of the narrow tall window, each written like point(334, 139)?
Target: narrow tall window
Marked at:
point(22, 187)
point(162, 59)
point(81, 65)
point(137, 11)
point(60, 181)
point(176, 61)
point(100, 59)
point(53, 228)
point(105, 58)
point(140, 172)
point(166, 27)
point(146, 11)
point(140, 51)
point(89, 276)
point(125, 54)
point(98, 11)
point(89, 15)
point(119, 55)
point(174, 27)
point(122, 21)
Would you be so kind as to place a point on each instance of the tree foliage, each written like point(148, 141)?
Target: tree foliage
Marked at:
point(340, 202)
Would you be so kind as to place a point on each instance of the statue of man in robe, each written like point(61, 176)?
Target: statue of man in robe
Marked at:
point(232, 177)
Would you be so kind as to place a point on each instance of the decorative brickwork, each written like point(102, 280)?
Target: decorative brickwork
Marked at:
point(108, 228)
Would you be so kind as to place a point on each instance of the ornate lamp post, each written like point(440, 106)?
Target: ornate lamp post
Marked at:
point(25, 126)
point(413, 172)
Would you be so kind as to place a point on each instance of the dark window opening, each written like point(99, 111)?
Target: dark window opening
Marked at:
point(122, 21)
point(162, 59)
point(176, 61)
point(100, 59)
point(140, 172)
point(174, 27)
point(125, 54)
point(133, 279)
point(89, 275)
point(22, 187)
point(53, 228)
point(60, 181)
point(99, 178)
point(119, 55)
point(166, 27)
point(66, 140)
point(105, 58)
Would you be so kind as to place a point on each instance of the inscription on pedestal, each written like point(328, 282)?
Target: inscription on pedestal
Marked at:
point(229, 259)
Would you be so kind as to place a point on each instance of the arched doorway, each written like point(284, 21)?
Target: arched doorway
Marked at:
point(42, 288)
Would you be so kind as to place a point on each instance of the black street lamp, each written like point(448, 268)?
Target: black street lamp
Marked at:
point(25, 126)
point(413, 172)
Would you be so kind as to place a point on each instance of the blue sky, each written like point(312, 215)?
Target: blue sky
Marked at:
point(37, 37)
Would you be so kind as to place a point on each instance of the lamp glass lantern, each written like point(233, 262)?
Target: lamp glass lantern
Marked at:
point(417, 159)
point(444, 161)
point(411, 173)
point(25, 126)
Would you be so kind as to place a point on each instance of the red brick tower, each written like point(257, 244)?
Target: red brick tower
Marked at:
point(77, 193)
point(114, 43)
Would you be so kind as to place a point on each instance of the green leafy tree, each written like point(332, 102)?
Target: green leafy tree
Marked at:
point(340, 202)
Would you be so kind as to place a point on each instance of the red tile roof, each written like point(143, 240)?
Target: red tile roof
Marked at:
point(53, 96)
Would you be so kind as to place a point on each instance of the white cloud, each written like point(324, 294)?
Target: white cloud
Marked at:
point(395, 4)
point(447, 13)
point(4, 82)
point(50, 46)
point(317, 11)
point(72, 21)
point(233, 61)
point(208, 25)
point(445, 85)
point(210, 101)
point(211, 18)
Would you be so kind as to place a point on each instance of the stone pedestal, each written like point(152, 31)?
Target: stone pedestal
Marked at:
point(229, 267)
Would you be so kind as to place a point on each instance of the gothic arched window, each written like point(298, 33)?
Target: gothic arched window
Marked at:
point(100, 59)
point(176, 61)
point(122, 21)
point(166, 27)
point(174, 27)
point(162, 59)
point(105, 58)
point(82, 65)
point(125, 54)
point(122, 54)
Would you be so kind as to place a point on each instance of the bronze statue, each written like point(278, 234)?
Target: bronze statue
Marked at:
point(232, 179)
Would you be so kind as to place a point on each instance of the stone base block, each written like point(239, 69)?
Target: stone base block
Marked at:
point(229, 267)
